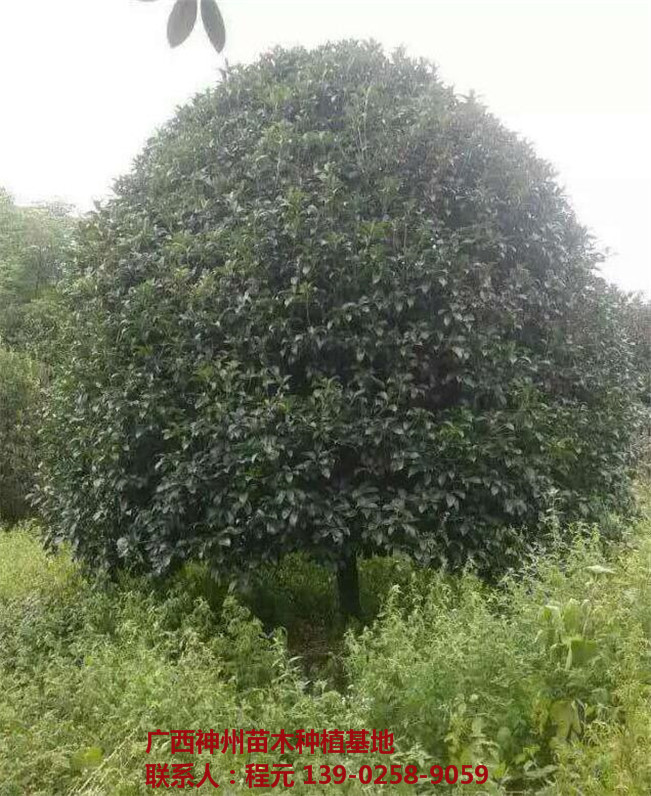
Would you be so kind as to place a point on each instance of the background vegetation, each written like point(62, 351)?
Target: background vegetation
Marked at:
point(35, 244)
point(35, 248)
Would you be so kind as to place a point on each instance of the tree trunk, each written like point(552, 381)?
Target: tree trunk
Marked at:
point(348, 585)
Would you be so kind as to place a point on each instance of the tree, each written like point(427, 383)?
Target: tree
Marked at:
point(19, 389)
point(335, 308)
point(35, 244)
point(639, 329)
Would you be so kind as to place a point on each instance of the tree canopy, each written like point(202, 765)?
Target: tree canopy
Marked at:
point(335, 308)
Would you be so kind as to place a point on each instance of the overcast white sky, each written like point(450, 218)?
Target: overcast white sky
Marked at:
point(83, 83)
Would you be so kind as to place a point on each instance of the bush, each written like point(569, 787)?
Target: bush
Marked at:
point(543, 679)
point(19, 394)
point(88, 668)
point(336, 309)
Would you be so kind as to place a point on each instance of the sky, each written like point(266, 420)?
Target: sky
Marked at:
point(84, 83)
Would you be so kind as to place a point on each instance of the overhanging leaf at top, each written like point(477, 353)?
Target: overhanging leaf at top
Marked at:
point(183, 19)
point(181, 22)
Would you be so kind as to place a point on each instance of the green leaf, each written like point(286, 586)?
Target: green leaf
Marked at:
point(214, 24)
point(599, 569)
point(181, 22)
point(90, 757)
point(565, 716)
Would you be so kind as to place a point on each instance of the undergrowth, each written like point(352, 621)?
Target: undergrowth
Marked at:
point(544, 677)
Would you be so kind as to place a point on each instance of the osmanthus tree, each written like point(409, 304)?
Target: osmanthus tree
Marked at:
point(335, 308)
point(639, 327)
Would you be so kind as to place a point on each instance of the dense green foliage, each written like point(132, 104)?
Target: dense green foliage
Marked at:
point(19, 393)
point(335, 308)
point(639, 323)
point(544, 679)
point(35, 244)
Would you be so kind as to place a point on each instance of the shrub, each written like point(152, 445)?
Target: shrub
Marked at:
point(88, 668)
point(543, 679)
point(336, 309)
